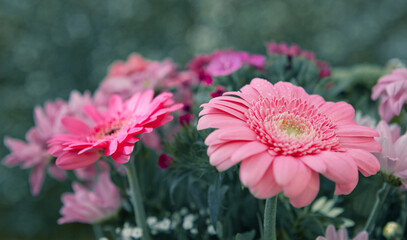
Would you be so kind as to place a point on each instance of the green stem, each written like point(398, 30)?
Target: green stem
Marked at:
point(139, 212)
point(380, 198)
point(270, 212)
point(97, 230)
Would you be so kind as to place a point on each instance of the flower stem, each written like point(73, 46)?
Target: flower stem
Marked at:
point(139, 212)
point(97, 230)
point(380, 198)
point(270, 212)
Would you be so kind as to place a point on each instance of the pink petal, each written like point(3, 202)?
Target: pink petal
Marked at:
point(345, 188)
point(76, 126)
point(285, 169)
point(366, 162)
point(112, 147)
point(315, 162)
point(340, 168)
point(267, 185)
point(37, 179)
point(309, 193)
point(355, 130)
point(223, 152)
point(71, 160)
point(366, 143)
point(299, 183)
point(248, 150)
point(254, 168)
point(93, 113)
point(219, 121)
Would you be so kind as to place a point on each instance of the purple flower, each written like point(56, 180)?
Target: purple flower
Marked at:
point(342, 234)
point(91, 206)
point(392, 91)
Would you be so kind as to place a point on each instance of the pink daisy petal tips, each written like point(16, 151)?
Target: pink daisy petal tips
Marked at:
point(284, 137)
point(91, 206)
point(113, 133)
point(342, 234)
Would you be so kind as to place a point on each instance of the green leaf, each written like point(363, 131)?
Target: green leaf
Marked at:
point(216, 193)
point(246, 236)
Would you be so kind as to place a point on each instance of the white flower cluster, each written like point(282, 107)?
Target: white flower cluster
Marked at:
point(130, 233)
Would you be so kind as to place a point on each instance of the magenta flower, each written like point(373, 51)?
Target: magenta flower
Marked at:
point(342, 234)
point(33, 153)
point(295, 51)
point(164, 161)
point(91, 206)
point(284, 137)
point(223, 62)
point(218, 91)
point(186, 119)
point(393, 157)
point(392, 91)
point(113, 131)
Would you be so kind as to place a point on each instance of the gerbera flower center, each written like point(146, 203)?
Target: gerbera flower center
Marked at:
point(292, 127)
point(109, 129)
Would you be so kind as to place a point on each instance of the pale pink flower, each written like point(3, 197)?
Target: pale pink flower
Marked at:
point(33, 153)
point(342, 234)
point(295, 51)
point(284, 137)
point(113, 131)
point(90, 172)
point(139, 74)
point(91, 205)
point(392, 91)
point(393, 157)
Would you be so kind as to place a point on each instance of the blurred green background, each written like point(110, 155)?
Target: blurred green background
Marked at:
point(49, 47)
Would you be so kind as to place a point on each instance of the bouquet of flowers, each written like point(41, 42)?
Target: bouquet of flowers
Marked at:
point(263, 146)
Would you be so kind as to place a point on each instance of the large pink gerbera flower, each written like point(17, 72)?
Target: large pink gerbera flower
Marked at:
point(114, 131)
point(284, 137)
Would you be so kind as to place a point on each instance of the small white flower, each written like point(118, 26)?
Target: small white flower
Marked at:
point(183, 211)
point(137, 232)
point(151, 221)
point(126, 232)
point(188, 222)
point(103, 238)
point(164, 225)
point(211, 230)
point(194, 231)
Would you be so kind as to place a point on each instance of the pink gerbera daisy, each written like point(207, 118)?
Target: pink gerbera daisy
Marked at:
point(113, 132)
point(284, 137)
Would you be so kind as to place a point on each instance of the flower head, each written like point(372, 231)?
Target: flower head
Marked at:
point(139, 74)
point(164, 161)
point(91, 206)
point(113, 132)
point(342, 234)
point(393, 157)
point(392, 91)
point(33, 152)
point(284, 137)
point(223, 62)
